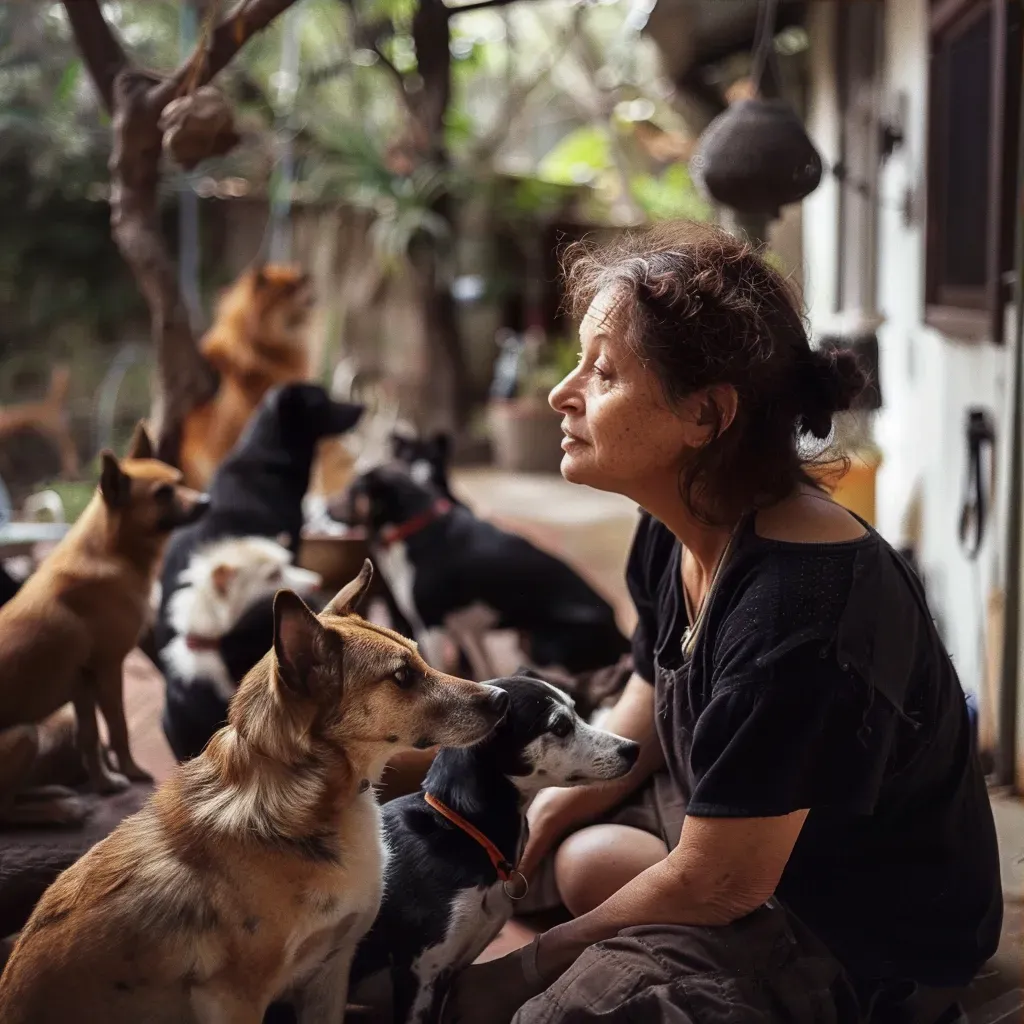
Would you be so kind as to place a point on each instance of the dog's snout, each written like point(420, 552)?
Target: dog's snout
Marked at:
point(629, 753)
point(496, 701)
point(197, 508)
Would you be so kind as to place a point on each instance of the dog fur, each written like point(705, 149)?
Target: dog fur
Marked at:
point(258, 340)
point(65, 634)
point(257, 867)
point(257, 491)
point(222, 582)
point(460, 904)
point(427, 459)
point(227, 597)
point(462, 575)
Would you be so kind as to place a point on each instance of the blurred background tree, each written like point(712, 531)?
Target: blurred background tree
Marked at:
point(442, 125)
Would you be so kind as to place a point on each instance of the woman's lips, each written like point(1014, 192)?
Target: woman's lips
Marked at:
point(569, 440)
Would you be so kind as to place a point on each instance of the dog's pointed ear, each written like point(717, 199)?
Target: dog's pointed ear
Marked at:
point(115, 486)
point(347, 599)
point(141, 446)
point(297, 636)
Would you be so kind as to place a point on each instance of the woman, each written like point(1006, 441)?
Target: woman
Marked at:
point(837, 860)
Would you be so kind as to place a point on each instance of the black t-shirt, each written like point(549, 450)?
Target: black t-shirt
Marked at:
point(817, 680)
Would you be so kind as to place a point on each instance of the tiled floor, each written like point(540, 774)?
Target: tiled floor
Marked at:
point(592, 531)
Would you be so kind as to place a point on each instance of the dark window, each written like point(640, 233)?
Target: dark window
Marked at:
point(975, 83)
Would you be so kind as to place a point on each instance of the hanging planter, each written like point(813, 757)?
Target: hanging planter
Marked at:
point(756, 158)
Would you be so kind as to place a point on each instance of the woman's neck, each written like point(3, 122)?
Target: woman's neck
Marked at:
point(704, 543)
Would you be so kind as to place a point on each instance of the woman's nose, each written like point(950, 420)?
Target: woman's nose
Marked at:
point(564, 397)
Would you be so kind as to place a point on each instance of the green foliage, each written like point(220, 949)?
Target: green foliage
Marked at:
point(579, 158)
point(671, 196)
point(354, 170)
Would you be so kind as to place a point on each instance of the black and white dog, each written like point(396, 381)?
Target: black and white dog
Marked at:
point(451, 877)
point(427, 459)
point(218, 627)
point(221, 618)
point(453, 573)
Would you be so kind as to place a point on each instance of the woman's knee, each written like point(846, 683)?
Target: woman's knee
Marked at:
point(596, 862)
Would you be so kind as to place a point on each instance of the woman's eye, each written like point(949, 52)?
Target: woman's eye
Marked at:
point(164, 492)
point(602, 372)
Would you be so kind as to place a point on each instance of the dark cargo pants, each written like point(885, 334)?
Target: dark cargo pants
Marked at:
point(766, 968)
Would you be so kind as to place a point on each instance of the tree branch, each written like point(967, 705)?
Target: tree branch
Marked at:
point(247, 19)
point(519, 92)
point(98, 44)
point(392, 69)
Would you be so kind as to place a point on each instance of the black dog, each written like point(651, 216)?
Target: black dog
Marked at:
point(427, 459)
point(257, 493)
point(445, 567)
point(448, 892)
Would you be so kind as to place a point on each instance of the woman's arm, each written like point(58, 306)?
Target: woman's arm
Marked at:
point(555, 811)
point(722, 869)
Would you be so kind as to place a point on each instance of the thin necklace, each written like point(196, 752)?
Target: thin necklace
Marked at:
point(694, 623)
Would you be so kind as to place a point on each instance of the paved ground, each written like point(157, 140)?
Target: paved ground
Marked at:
point(592, 531)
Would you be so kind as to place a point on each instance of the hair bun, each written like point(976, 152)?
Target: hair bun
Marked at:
point(832, 381)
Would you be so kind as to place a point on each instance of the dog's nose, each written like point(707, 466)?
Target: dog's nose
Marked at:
point(630, 752)
point(199, 507)
point(496, 701)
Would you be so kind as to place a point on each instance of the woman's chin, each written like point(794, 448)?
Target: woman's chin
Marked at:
point(575, 470)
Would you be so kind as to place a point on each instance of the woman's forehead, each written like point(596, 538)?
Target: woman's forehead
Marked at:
point(602, 311)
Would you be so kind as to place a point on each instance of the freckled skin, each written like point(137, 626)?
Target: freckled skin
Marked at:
point(623, 431)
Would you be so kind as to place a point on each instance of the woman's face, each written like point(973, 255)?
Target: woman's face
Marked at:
point(620, 434)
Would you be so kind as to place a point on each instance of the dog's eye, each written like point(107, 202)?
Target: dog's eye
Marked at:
point(403, 678)
point(562, 728)
point(164, 492)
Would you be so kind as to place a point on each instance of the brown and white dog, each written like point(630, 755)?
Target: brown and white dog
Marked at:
point(65, 634)
point(257, 867)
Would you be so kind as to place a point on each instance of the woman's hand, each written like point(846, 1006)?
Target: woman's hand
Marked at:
point(492, 992)
point(556, 812)
point(549, 818)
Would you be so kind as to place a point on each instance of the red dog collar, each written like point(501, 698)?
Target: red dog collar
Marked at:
point(393, 534)
point(195, 642)
point(506, 872)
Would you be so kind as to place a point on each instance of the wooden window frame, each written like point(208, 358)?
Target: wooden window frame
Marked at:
point(974, 313)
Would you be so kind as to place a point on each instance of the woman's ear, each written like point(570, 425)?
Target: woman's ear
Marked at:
point(708, 413)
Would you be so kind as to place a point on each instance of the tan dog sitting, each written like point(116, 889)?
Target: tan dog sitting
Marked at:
point(258, 340)
point(65, 634)
point(257, 867)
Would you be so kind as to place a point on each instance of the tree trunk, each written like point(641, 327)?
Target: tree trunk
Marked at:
point(183, 378)
point(135, 100)
point(432, 38)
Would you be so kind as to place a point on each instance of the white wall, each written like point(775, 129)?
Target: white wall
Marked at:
point(928, 381)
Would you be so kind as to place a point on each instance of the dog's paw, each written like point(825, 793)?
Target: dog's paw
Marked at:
point(137, 774)
point(111, 782)
point(72, 811)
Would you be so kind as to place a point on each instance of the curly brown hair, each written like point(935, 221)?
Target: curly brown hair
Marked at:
point(701, 307)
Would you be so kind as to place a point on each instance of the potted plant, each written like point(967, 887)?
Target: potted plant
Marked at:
point(526, 433)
